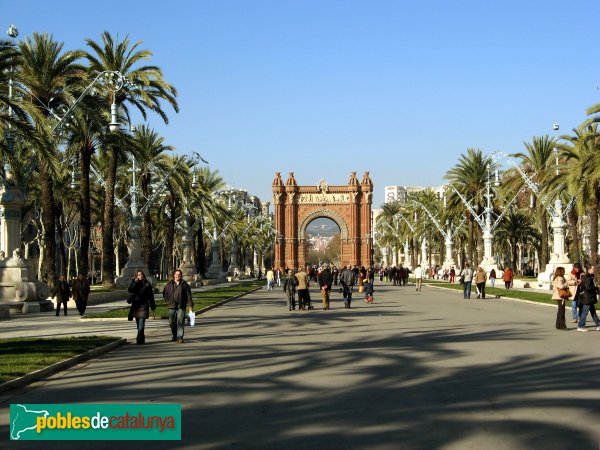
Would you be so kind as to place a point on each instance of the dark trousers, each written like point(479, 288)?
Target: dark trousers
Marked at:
point(561, 324)
point(81, 305)
point(291, 299)
point(58, 307)
point(347, 292)
point(481, 287)
point(140, 322)
point(177, 322)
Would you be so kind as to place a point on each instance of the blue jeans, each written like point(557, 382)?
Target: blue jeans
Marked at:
point(467, 289)
point(140, 322)
point(574, 310)
point(492, 281)
point(583, 316)
point(177, 322)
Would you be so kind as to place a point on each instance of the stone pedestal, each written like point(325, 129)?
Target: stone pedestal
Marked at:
point(135, 261)
point(234, 269)
point(19, 291)
point(215, 270)
point(487, 265)
point(18, 288)
point(544, 279)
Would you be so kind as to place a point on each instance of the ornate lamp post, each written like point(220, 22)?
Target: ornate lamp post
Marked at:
point(448, 233)
point(557, 214)
point(485, 220)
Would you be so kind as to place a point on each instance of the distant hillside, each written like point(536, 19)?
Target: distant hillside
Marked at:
point(322, 227)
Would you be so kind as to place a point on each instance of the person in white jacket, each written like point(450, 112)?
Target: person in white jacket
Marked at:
point(418, 277)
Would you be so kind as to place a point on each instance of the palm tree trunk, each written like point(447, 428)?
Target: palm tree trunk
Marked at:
point(471, 241)
point(61, 238)
point(544, 233)
point(513, 256)
point(200, 251)
point(147, 241)
point(108, 248)
point(574, 251)
point(593, 213)
point(48, 220)
point(85, 215)
point(170, 239)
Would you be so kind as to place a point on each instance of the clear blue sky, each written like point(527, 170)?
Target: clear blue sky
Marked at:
point(323, 88)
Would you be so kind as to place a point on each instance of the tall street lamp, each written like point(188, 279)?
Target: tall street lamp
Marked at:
point(485, 220)
point(557, 213)
point(448, 233)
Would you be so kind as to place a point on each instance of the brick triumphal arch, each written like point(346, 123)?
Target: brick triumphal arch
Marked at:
point(296, 206)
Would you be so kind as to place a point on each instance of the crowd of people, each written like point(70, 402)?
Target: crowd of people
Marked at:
point(579, 287)
point(296, 284)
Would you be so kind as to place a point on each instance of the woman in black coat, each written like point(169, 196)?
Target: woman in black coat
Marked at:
point(141, 299)
point(587, 299)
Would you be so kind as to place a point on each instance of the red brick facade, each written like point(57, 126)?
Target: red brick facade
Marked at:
point(296, 206)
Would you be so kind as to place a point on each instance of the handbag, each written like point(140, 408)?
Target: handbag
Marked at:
point(564, 293)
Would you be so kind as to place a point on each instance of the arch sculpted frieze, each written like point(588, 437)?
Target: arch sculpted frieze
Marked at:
point(323, 198)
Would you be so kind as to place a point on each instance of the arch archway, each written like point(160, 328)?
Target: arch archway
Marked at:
point(348, 206)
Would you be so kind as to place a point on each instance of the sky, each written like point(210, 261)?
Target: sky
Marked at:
point(323, 88)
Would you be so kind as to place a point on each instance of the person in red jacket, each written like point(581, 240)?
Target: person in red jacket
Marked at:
point(507, 277)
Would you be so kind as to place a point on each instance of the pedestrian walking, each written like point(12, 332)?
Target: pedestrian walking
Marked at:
point(576, 274)
point(348, 280)
point(467, 280)
point(480, 279)
point(141, 300)
point(507, 277)
point(588, 297)
point(63, 292)
point(302, 290)
point(270, 280)
point(418, 277)
point(325, 279)
point(81, 293)
point(289, 287)
point(492, 277)
point(368, 288)
point(178, 296)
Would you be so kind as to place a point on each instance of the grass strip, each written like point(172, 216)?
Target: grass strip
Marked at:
point(201, 300)
point(540, 297)
point(21, 356)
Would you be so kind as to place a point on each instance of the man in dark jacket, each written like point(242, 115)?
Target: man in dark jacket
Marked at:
point(325, 279)
point(588, 297)
point(81, 292)
point(178, 296)
point(348, 280)
point(62, 294)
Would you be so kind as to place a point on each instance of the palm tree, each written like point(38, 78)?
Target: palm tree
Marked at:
point(85, 136)
point(469, 177)
point(516, 229)
point(177, 187)
point(13, 114)
point(148, 149)
point(202, 204)
point(48, 78)
point(583, 177)
point(536, 162)
point(144, 92)
point(388, 233)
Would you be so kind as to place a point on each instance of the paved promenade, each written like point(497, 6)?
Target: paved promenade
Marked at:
point(424, 370)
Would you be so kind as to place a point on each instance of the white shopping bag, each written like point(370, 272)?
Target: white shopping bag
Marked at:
point(192, 316)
